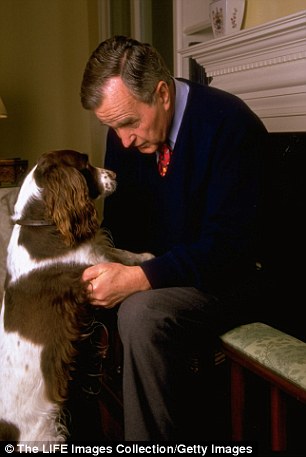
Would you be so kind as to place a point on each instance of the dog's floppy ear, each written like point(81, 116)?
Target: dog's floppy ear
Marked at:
point(65, 193)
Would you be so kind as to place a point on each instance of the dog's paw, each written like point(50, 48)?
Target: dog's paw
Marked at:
point(128, 257)
point(146, 256)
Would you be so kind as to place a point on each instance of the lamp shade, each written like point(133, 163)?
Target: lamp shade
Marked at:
point(3, 112)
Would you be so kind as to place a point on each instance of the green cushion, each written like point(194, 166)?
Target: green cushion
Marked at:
point(274, 349)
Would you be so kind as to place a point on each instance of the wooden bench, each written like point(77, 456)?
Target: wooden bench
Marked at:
point(278, 358)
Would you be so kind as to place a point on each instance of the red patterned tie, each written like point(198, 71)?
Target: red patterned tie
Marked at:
point(164, 159)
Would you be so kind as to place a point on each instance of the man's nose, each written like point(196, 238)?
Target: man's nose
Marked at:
point(127, 138)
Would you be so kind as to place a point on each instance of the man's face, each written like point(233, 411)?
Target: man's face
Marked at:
point(136, 123)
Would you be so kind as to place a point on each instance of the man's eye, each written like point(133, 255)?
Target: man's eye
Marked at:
point(127, 125)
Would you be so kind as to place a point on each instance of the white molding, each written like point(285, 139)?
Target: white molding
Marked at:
point(265, 66)
point(141, 24)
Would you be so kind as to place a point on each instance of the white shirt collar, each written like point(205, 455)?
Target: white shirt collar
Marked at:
point(181, 95)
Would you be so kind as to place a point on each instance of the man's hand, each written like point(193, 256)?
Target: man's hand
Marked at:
point(110, 283)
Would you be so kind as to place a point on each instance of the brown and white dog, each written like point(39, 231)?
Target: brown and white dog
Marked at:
point(45, 308)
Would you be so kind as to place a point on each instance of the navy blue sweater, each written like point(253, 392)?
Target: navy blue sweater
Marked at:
point(201, 219)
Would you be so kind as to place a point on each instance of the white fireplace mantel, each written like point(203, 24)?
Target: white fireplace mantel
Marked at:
point(263, 65)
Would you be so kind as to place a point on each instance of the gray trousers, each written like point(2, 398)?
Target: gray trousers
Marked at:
point(160, 331)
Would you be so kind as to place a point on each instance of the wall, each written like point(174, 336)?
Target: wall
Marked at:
point(260, 11)
point(44, 46)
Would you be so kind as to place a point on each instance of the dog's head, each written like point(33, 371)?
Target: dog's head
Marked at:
point(67, 184)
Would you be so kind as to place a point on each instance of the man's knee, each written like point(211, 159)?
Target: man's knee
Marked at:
point(132, 308)
point(141, 315)
point(132, 314)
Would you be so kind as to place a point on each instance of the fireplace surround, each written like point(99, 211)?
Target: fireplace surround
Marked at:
point(265, 66)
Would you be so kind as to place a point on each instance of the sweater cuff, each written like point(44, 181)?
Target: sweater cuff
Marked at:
point(162, 272)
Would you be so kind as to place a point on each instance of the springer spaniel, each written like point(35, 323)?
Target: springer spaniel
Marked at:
point(45, 309)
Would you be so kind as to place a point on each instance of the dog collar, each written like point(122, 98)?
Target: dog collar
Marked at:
point(34, 222)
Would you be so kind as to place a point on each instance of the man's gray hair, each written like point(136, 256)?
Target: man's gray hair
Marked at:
point(139, 65)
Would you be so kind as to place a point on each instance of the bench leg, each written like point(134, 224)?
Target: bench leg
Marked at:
point(278, 420)
point(237, 400)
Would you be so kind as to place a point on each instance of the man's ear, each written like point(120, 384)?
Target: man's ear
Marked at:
point(163, 94)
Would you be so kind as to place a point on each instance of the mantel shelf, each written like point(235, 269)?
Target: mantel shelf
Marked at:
point(265, 66)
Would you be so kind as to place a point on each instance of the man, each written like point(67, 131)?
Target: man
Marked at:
point(197, 213)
